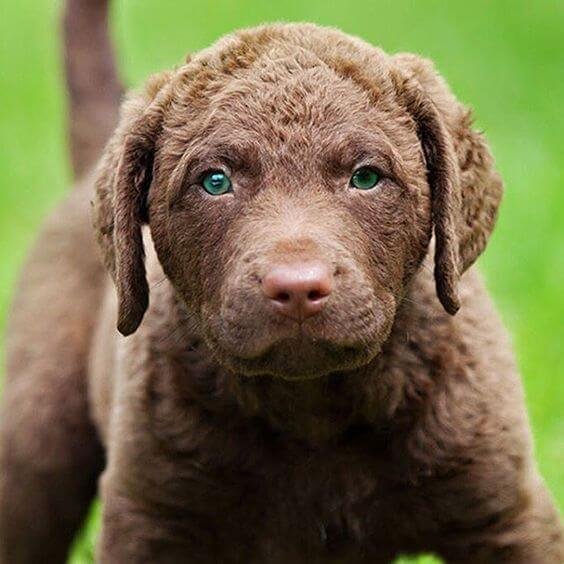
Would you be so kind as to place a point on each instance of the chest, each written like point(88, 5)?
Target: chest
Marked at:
point(340, 501)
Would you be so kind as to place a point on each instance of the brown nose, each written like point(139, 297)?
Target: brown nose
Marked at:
point(298, 290)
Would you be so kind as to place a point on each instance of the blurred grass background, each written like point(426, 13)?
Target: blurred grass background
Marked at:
point(504, 58)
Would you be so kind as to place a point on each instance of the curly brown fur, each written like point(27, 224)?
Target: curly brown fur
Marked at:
point(382, 425)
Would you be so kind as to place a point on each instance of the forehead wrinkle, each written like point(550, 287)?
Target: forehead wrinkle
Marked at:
point(352, 146)
point(359, 64)
point(276, 85)
point(289, 90)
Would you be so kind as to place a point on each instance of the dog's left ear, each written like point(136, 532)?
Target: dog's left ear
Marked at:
point(466, 190)
point(123, 179)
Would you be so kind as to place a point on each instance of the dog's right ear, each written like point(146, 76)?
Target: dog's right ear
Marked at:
point(466, 189)
point(123, 180)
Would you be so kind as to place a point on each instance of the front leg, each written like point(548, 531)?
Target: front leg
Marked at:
point(138, 529)
point(134, 533)
point(530, 533)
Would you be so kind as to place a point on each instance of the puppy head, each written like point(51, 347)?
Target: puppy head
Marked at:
point(291, 177)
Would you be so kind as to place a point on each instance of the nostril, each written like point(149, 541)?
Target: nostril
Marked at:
point(282, 297)
point(315, 295)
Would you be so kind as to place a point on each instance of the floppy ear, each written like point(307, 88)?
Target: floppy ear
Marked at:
point(123, 179)
point(465, 188)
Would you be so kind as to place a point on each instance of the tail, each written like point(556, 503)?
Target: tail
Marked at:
point(92, 80)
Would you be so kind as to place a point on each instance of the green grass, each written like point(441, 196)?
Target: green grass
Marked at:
point(505, 58)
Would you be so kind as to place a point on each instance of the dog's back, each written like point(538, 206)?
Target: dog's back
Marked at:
point(50, 328)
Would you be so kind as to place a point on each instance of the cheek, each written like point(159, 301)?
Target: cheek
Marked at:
point(397, 233)
point(192, 247)
point(418, 229)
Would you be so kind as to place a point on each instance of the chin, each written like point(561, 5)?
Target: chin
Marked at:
point(299, 359)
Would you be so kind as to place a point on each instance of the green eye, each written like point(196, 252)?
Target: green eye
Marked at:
point(216, 183)
point(364, 178)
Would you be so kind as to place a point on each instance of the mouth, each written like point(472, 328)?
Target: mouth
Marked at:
point(299, 358)
point(335, 340)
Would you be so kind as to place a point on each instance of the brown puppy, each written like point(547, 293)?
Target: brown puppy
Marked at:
point(295, 391)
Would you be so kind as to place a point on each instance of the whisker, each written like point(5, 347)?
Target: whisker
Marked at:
point(427, 268)
point(158, 283)
point(173, 335)
point(414, 302)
